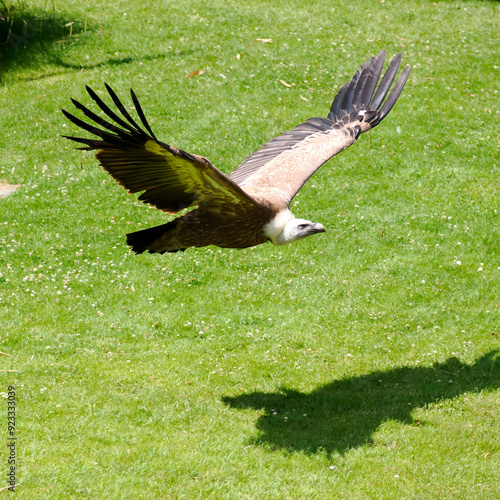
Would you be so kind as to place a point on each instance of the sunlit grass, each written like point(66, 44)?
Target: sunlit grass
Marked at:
point(356, 364)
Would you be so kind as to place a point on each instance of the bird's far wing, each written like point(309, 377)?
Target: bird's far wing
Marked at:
point(170, 178)
point(286, 162)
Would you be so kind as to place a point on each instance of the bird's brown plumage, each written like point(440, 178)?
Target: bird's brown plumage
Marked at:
point(232, 211)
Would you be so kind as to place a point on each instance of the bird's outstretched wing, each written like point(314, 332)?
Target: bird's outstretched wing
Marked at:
point(285, 163)
point(170, 178)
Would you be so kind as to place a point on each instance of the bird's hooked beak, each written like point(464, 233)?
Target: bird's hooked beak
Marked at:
point(317, 228)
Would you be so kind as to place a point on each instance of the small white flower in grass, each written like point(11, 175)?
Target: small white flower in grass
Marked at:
point(479, 268)
point(458, 263)
point(332, 467)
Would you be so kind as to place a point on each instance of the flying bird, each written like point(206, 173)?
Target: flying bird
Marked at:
point(252, 204)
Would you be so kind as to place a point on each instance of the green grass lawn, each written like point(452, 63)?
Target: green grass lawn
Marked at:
point(358, 364)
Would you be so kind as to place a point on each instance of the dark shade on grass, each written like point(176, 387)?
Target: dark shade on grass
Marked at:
point(27, 36)
point(345, 413)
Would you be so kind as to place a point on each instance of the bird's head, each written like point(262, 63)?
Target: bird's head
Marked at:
point(296, 229)
point(286, 229)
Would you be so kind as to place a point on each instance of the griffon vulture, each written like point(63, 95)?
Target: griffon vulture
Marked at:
point(252, 204)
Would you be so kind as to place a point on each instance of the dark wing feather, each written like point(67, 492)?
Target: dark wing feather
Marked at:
point(170, 178)
point(285, 163)
point(386, 82)
point(393, 97)
point(141, 113)
point(108, 111)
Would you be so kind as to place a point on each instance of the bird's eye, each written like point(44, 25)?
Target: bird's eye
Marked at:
point(302, 226)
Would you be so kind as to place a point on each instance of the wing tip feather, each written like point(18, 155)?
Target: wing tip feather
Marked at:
point(364, 92)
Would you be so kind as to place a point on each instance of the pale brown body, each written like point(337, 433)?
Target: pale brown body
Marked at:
point(200, 228)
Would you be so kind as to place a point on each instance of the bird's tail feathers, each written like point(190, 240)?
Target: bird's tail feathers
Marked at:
point(155, 239)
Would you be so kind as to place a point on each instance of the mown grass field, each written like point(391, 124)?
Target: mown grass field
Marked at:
point(358, 364)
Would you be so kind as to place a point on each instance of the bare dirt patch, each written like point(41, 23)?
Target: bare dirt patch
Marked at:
point(6, 188)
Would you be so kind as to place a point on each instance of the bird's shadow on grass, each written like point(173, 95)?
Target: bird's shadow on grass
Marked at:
point(345, 413)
